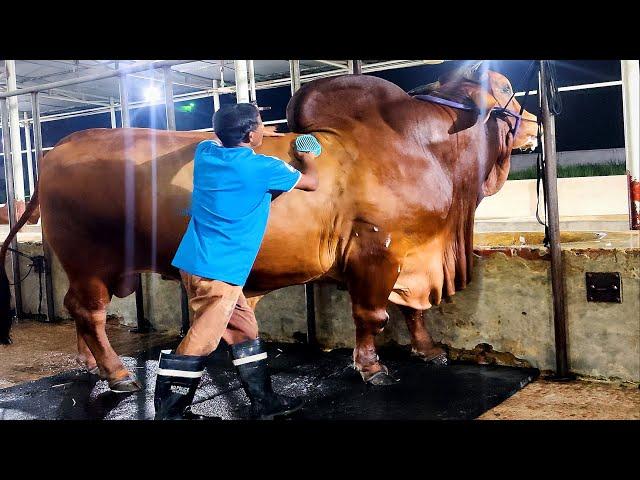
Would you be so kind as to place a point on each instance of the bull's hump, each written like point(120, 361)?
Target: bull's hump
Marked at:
point(337, 102)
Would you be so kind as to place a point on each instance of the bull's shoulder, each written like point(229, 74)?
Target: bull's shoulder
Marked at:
point(338, 102)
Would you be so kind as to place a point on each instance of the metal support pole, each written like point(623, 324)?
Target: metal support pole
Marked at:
point(222, 73)
point(294, 73)
point(112, 113)
point(252, 82)
point(168, 99)
point(14, 125)
point(309, 288)
point(125, 119)
point(551, 195)
point(11, 204)
point(631, 110)
point(216, 96)
point(356, 66)
point(46, 250)
point(242, 81)
point(27, 144)
point(126, 123)
point(171, 125)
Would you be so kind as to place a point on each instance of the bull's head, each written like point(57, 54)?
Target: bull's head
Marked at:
point(486, 89)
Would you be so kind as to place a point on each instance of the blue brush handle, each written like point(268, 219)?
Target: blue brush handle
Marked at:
point(308, 143)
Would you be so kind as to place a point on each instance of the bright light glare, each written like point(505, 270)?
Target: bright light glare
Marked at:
point(152, 94)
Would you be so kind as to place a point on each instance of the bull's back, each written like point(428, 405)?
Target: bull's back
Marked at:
point(96, 181)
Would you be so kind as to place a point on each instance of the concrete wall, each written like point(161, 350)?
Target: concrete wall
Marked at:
point(508, 305)
point(583, 196)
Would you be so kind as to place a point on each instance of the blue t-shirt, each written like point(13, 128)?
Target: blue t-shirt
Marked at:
point(230, 205)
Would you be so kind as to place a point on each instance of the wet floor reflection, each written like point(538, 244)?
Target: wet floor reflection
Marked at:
point(330, 386)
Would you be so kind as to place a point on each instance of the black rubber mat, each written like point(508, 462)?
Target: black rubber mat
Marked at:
point(331, 387)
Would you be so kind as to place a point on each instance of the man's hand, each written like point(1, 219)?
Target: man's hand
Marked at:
point(309, 179)
point(270, 131)
point(304, 156)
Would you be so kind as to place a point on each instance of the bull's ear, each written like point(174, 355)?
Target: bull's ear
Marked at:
point(474, 72)
point(424, 89)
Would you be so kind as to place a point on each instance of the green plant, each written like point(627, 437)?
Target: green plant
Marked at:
point(567, 171)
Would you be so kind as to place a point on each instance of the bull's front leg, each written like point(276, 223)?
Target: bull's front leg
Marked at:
point(371, 273)
point(422, 344)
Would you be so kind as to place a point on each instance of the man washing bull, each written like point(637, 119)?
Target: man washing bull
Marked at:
point(232, 192)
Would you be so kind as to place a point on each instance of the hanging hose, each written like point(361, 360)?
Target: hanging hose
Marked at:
point(555, 108)
point(553, 95)
point(38, 262)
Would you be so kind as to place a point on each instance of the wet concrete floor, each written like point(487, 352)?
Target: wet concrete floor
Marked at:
point(331, 387)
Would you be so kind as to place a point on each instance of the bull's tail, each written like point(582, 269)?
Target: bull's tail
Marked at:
point(5, 292)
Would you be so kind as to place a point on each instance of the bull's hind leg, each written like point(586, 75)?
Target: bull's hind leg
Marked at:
point(371, 273)
point(87, 301)
point(421, 342)
point(85, 357)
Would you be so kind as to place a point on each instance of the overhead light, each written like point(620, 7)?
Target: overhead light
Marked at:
point(152, 94)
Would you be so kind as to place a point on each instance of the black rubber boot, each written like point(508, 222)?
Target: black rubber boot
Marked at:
point(250, 360)
point(176, 384)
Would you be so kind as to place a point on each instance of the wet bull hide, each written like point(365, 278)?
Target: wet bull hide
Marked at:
point(392, 219)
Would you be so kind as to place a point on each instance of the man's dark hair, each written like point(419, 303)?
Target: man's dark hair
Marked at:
point(232, 123)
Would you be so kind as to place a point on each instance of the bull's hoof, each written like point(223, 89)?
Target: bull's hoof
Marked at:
point(438, 360)
point(379, 378)
point(125, 385)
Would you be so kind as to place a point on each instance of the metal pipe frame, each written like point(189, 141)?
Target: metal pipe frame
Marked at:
point(252, 82)
point(294, 74)
point(216, 97)
point(341, 66)
point(126, 123)
point(125, 119)
point(285, 81)
point(366, 68)
point(14, 125)
point(112, 114)
point(309, 288)
point(242, 81)
point(168, 99)
point(46, 250)
point(356, 67)
point(93, 78)
point(553, 218)
point(11, 206)
point(27, 141)
point(171, 125)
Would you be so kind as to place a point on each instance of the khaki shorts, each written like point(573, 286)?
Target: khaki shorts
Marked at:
point(220, 310)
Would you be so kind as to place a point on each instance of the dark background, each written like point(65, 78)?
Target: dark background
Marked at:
point(591, 119)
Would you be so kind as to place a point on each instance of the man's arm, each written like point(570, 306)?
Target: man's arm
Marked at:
point(269, 131)
point(309, 179)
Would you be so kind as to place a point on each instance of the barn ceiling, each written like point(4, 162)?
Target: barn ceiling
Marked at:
point(187, 78)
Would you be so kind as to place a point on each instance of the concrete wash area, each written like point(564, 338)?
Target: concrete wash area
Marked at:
point(507, 306)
